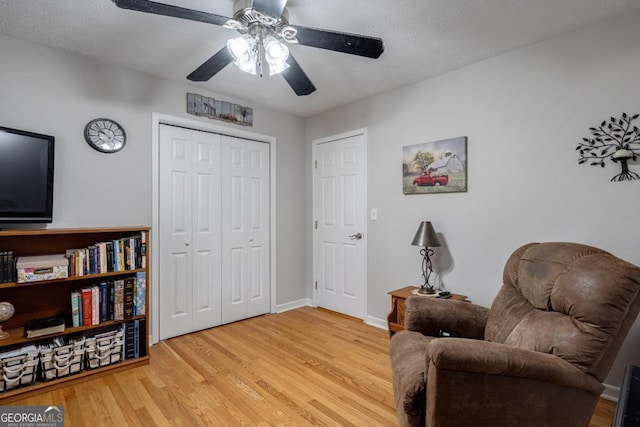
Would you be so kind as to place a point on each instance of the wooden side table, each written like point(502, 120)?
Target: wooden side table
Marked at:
point(395, 319)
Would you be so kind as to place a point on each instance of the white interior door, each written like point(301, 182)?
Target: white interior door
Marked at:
point(245, 229)
point(189, 222)
point(340, 249)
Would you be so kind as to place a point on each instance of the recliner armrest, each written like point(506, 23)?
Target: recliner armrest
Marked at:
point(429, 315)
point(489, 358)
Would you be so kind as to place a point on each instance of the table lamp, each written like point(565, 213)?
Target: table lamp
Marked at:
point(426, 238)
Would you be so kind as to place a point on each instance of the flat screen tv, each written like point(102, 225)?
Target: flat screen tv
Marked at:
point(26, 176)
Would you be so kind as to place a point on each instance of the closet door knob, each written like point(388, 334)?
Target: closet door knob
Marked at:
point(187, 243)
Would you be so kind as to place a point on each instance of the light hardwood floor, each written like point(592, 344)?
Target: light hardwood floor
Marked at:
point(303, 367)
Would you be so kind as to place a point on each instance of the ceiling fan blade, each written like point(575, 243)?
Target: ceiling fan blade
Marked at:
point(297, 78)
point(170, 10)
point(273, 8)
point(212, 66)
point(353, 44)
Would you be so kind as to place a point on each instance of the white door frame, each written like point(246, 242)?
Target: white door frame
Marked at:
point(156, 120)
point(315, 144)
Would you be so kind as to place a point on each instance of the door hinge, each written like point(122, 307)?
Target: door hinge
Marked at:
point(315, 224)
point(316, 285)
point(316, 164)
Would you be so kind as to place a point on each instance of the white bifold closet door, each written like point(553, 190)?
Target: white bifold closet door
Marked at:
point(245, 229)
point(211, 241)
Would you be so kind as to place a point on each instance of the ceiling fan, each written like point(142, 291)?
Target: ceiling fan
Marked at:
point(265, 33)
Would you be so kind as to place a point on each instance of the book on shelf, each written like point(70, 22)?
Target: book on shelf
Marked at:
point(75, 309)
point(110, 260)
point(111, 298)
point(7, 267)
point(140, 295)
point(87, 317)
point(118, 299)
point(136, 338)
point(95, 305)
point(104, 301)
point(143, 250)
point(128, 297)
point(35, 328)
point(81, 320)
point(129, 338)
point(142, 337)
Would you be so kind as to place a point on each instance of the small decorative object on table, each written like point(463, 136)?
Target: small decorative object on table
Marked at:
point(426, 237)
point(6, 312)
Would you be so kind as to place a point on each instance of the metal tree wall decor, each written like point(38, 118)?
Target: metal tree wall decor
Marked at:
point(617, 140)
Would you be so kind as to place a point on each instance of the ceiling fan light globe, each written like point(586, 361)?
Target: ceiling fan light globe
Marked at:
point(276, 53)
point(241, 47)
point(247, 66)
point(277, 69)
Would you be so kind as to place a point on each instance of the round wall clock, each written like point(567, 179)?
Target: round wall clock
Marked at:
point(105, 135)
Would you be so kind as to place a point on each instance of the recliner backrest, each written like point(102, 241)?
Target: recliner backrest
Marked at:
point(570, 300)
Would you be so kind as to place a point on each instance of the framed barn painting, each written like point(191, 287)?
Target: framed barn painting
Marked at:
point(435, 167)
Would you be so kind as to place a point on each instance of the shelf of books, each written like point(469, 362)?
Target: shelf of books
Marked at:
point(75, 305)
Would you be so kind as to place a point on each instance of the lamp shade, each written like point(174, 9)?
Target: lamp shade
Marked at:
point(426, 236)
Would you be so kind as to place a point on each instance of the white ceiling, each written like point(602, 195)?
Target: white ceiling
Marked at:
point(423, 38)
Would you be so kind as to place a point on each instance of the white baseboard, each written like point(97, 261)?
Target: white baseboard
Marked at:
point(308, 302)
point(374, 321)
point(610, 392)
point(292, 305)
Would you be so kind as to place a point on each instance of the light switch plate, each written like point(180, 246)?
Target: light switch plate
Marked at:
point(373, 215)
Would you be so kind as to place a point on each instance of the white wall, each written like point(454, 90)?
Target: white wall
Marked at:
point(523, 112)
point(56, 93)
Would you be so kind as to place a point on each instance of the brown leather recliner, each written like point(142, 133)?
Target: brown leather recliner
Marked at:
point(537, 357)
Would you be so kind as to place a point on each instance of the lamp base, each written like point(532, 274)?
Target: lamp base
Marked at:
point(426, 291)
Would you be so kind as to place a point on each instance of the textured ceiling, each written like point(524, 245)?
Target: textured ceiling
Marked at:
point(423, 38)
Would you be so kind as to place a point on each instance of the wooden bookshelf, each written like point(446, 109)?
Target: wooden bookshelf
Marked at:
point(49, 298)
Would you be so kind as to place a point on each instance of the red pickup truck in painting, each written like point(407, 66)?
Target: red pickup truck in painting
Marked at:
point(430, 179)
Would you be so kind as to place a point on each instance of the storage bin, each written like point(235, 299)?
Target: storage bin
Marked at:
point(18, 371)
point(42, 267)
point(62, 361)
point(104, 349)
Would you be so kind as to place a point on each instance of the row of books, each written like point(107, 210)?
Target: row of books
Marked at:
point(124, 254)
point(111, 299)
point(7, 267)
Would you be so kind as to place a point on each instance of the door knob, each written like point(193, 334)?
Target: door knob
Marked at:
point(187, 243)
point(356, 236)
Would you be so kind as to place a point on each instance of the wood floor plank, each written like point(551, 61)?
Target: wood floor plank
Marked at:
point(305, 367)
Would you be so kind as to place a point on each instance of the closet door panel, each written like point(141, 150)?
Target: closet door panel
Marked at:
point(206, 231)
point(176, 229)
point(189, 287)
point(245, 233)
